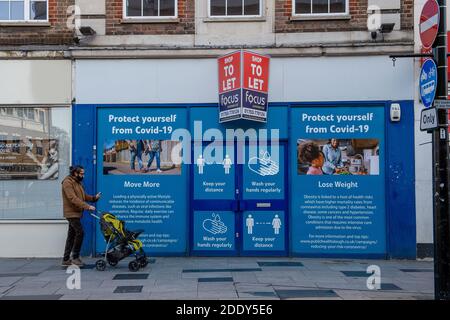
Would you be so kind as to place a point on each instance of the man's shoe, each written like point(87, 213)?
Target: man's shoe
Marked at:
point(66, 263)
point(159, 171)
point(77, 262)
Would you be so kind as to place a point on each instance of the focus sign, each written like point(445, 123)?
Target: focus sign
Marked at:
point(243, 86)
point(230, 87)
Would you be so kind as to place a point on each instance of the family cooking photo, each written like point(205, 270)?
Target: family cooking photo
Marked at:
point(338, 157)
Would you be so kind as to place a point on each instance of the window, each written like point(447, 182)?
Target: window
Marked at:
point(23, 10)
point(150, 8)
point(235, 7)
point(30, 113)
point(320, 7)
point(36, 160)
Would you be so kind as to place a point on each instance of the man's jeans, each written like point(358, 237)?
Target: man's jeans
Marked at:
point(154, 154)
point(135, 155)
point(74, 240)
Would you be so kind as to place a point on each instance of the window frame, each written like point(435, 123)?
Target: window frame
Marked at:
point(329, 14)
point(156, 18)
point(241, 16)
point(26, 16)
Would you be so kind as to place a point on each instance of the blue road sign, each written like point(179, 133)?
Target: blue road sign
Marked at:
point(428, 82)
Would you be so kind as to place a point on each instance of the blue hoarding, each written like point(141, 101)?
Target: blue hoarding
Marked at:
point(338, 177)
point(139, 175)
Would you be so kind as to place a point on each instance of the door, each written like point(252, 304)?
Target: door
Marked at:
point(239, 199)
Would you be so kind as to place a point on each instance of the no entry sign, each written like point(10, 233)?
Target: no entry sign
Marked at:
point(429, 23)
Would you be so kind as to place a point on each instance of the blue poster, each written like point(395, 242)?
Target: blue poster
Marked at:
point(138, 172)
point(214, 176)
point(264, 173)
point(263, 230)
point(338, 181)
point(214, 230)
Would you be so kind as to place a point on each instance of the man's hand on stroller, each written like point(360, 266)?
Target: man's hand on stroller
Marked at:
point(91, 208)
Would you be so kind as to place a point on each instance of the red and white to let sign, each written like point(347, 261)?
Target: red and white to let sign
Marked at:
point(429, 23)
point(256, 72)
point(230, 72)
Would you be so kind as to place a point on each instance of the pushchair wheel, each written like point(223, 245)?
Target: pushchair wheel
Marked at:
point(143, 262)
point(133, 266)
point(100, 265)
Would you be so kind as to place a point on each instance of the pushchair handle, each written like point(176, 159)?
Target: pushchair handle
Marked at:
point(95, 216)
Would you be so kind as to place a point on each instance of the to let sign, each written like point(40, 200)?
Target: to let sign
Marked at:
point(243, 86)
point(256, 86)
point(230, 86)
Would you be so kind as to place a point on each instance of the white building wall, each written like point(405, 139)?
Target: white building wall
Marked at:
point(35, 82)
point(291, 79)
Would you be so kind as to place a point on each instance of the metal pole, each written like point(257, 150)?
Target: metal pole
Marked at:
point(441, 177)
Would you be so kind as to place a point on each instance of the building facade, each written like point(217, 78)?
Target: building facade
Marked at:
point(145, 74)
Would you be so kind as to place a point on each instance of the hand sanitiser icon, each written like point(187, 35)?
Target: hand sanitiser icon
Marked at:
point(215, 225)
point(263, 165)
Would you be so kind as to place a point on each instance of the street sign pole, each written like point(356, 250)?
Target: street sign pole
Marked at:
point(440, 169)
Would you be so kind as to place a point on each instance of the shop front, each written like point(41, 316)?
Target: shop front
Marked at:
point(35, 154)
point(327, 175)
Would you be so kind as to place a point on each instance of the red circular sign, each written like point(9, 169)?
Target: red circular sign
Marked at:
point(429, 23)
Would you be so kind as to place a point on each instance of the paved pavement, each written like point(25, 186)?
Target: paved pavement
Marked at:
point(191, 278)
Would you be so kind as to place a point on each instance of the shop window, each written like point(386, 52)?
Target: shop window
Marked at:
point(23, 10)
point(230, 8)
point(20, 112)
point(150, 8)
point(41, 117)
point(30, 113)
point(37, 159)
point(320, 7)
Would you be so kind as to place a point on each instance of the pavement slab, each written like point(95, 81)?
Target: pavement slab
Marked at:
point(217, 278)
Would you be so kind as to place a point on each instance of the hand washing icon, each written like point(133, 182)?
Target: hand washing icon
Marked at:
point(215, 225)
point(264, 165)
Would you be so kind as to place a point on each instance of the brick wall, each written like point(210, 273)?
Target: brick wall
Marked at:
point(55, 34)
point(357, 22)
point(407, 14)
point(114, 25)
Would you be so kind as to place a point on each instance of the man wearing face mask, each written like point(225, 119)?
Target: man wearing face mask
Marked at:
point(74, 202)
